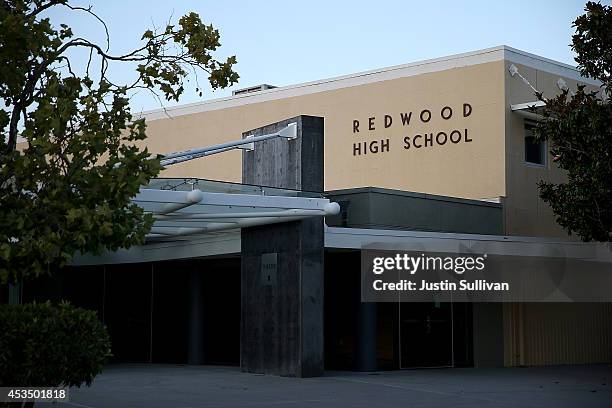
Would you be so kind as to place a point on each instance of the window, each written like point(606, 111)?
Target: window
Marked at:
point(535, 151)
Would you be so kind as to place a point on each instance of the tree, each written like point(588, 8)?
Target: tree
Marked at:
point(579, 126)
point(69, 189)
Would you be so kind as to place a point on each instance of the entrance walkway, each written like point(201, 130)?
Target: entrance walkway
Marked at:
point(171, 386)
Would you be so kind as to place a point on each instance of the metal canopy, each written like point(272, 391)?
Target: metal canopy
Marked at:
point(227, 243)
point(230, 206)
point(526, 109)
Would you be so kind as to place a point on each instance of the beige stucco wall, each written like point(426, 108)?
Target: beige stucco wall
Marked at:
point(490, 165)
point(525, 212)
point(474, 169)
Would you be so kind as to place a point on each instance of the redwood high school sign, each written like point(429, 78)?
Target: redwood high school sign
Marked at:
point(418, 123)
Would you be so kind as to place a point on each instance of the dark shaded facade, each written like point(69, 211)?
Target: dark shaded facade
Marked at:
point(149, 308)
point(373, 207)
point(189, 311)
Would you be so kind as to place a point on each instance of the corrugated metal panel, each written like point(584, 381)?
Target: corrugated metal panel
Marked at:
point(558, 333)
point(513, 334)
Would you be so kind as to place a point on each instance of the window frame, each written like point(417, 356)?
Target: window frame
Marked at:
point(528, 123)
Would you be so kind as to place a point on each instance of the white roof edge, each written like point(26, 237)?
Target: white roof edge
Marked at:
point(546, 64)
point(486, 55)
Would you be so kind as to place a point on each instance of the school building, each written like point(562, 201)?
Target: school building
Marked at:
point(250, 262)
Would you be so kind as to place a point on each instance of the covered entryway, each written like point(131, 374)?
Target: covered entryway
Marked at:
point(179, 312)
point(388, 335)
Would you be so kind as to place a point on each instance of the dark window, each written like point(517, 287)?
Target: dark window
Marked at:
point(535, 151)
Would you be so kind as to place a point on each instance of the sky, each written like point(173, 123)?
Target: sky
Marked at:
point(288, 42)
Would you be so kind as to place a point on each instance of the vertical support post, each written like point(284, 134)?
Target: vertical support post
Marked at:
point(282, 264)
point(488, 329)
point(195, 350)
point(367, 359)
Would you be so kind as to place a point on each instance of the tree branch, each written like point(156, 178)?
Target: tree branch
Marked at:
point(42, 8)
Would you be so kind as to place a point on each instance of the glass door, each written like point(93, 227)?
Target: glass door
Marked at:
point(426, 334)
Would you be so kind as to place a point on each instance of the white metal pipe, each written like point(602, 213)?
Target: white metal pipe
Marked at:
point(223, 145)
point(289, 132)
point(180, 159)
point(147, 197)
point(219, 146)
point(213, 227)
point(192, 197)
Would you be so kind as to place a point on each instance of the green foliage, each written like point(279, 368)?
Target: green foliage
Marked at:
point(593, 42)
point(68, 188)
point(49, 345)
point(579, 126)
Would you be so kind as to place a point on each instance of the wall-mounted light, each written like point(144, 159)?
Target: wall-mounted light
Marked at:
point(562, 85)
point(514, 71)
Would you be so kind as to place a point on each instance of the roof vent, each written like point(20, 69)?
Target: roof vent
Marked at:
point(252, 89)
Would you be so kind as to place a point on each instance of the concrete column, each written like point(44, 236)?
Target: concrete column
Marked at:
point(282, 264)
point(488, 329)
point(367, 359)
point(195, 350)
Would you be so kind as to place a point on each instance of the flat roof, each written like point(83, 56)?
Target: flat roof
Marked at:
point(486, 55)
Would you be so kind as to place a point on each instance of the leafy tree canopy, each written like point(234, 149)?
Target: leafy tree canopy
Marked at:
point(68, 189)
point(579, 126)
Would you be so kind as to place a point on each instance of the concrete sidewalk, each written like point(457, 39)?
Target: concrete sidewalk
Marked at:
point(157, 386)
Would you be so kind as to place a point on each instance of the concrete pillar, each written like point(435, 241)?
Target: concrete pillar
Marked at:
point(488, 329)
point(282, 264)
point(367, 359)
point(195, 347)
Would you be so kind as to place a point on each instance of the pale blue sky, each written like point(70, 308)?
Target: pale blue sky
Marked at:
point(287, 42)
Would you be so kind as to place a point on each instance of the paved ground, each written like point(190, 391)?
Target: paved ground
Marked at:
point(169, 386)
